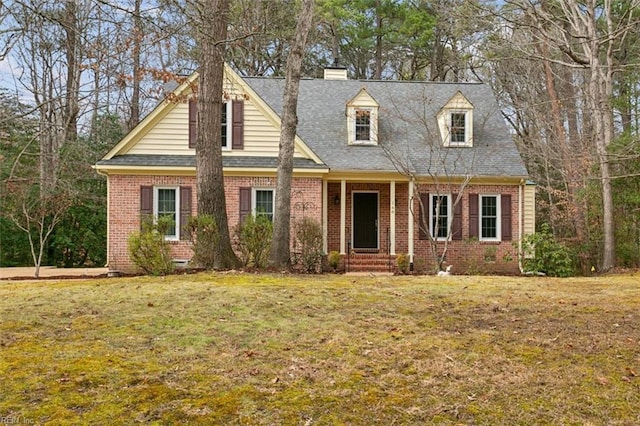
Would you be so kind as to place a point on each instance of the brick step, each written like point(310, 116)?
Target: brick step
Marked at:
point(371, 263)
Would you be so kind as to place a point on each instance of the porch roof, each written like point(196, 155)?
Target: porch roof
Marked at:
point(190, 161)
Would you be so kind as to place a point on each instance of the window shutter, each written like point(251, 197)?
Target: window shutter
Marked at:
point(474, 232)
point(245, 203)
point(237, 130)
point(193, 118)
point(456, 226)
point(424, 217)
point(146, 203)
point(185, 211)
point(505, 212)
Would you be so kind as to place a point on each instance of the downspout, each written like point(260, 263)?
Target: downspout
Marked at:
point(108, 214)
point(520, 224)
point(410, 222)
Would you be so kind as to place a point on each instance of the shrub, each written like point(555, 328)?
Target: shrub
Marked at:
point(252, 239)
point(402, 262)
point(333, 259)
point(149, 250)
point(550, 256)
point(308, 244)
point(203, 233)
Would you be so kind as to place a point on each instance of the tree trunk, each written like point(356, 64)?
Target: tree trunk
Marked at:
point(212, 32)
point(134, 117)
point(280, 246)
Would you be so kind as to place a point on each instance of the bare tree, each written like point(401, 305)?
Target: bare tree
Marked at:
point(280, 247)
point(581, 37)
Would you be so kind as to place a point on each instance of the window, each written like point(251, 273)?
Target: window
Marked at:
point(363, 125)
point(166, 205)
point(226, 125)
point(440, 208)
point(489, 217)
point(457, 128)
point(455, 121)
point(231, 128)
point(362, 121)
point(263, 201)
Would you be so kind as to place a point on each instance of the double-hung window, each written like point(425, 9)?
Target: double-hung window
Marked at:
point(457, 128)
point(440, 215)
point(490, 217)
point(363, 125)
point(263, 201)
point(225, 125)
point(166, 206)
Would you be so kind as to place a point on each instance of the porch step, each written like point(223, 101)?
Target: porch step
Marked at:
point(368, 262)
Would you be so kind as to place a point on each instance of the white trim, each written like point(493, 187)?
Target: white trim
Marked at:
point(498, 236)
point(449, 216)
point(353, 193)
point(343, 214)
point(392, 217)
point(156, 198)
point(253, 199)
point(373, 125)
point(325, 216)
point(227, 104)
point(411, 219)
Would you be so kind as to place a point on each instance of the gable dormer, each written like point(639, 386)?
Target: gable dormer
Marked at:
point(362, 119)
point(455, 122)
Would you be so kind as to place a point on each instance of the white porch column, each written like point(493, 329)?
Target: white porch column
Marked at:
point(343, 216)
point(410, 227)
point(325, 216)
point(392, 217)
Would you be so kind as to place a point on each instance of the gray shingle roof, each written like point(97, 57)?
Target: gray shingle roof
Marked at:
point(408, 129)
point(190, 161)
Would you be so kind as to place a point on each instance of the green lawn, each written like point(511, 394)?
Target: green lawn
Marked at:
point(317, 350)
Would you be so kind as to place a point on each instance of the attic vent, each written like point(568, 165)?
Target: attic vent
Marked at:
point(335, 73)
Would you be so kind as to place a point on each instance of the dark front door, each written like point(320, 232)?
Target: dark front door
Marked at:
point(365, 220)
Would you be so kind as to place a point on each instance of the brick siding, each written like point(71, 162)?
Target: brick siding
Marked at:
point(124, 204)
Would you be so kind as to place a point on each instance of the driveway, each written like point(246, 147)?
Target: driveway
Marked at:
point(51, 272)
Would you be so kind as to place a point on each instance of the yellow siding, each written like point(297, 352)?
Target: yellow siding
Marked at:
point(529, 209)
point(170, 136)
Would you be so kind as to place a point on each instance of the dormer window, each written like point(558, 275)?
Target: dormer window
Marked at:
point(363, 125)
point(362, 119)
point(455, 121)
point(458, 128)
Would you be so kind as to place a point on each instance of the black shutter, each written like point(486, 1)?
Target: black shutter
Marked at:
point(245, 203)
point(456, 226)
point(237, 120)
point(185, 211)
point(505, 212)
point(146, 204)
point(193, 119)
point(423, 217)
point(473, 216)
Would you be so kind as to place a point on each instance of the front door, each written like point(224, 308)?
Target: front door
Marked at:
point(365, 220)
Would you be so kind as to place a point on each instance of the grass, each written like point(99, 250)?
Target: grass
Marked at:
point(325, 350)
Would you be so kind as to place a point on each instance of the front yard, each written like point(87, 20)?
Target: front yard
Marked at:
point(330, 349)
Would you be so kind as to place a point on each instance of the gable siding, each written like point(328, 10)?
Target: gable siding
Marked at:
point(170, 136)
point(529, 222)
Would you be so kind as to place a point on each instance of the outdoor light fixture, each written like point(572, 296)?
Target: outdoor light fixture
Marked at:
point(336, 200)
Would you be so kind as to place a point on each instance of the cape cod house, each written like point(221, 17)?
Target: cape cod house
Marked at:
point(373, 161)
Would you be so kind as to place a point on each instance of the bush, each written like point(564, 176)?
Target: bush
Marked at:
point(308, 244)
point(402, 262)
point(550, 256)
point(149, 250)
point(203, 233)
point(252, 240)
point(333, 259)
